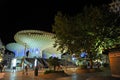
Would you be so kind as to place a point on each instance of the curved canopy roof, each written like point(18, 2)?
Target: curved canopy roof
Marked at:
point(35, 41)
point(34, 38)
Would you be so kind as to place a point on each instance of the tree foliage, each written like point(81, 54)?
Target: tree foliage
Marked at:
point(64, 33)
point(90, 30)
point(54, 61)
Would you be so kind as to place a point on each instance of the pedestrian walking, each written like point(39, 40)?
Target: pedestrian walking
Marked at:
point(14, 68)
point(1, 67)
point(26, 69)
point(36, 71)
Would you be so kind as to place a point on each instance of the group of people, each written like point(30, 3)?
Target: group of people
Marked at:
point(26, 68)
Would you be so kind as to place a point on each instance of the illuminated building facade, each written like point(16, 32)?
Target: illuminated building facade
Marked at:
point(37, 43)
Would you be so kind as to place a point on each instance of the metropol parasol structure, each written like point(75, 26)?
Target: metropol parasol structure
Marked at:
point(38, 43)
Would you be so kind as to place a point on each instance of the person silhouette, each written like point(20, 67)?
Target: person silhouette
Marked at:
point(14, 68)
point(26, 69)
point(27, 53)
point(1, 67)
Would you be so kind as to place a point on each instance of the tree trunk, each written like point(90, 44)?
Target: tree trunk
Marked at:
point(91, 64)
point(54, 68)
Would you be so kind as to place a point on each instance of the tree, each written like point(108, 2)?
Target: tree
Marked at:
point(54, 61)
point(65, 34)
point(90, 30)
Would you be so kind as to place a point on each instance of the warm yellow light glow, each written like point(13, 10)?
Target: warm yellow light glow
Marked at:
point(0, 59)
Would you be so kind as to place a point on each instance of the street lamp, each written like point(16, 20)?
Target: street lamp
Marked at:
point(25, 49)
point(24, 57)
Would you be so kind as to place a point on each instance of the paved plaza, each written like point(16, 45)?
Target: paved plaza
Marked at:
point(18, 75)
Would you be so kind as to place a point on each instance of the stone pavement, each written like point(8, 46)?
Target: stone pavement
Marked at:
point(9, 75)
point(104, 78)
point(18, 75)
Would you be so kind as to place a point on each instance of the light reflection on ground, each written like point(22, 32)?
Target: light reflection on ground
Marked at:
point(73, 76)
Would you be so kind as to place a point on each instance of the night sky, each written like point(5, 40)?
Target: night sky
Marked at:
point(36, 14)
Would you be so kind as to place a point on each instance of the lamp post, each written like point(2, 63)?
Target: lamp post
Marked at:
point(24, 57)
point(25, 50)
